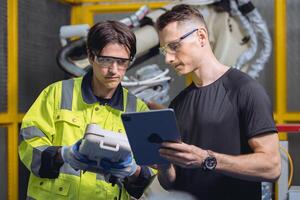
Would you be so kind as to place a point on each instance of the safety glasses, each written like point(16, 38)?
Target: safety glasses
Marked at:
point(108, 61)
point(172, 47)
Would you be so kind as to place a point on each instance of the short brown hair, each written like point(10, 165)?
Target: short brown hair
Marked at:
point(179, 13)
point(103, 33)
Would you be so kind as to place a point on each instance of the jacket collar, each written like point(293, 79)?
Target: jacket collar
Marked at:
point(87, 94)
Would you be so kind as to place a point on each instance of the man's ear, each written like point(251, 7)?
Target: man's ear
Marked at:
point(91, 60)
point(90, 56)
point(202, 35)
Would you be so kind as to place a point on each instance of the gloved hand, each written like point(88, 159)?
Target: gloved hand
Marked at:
point(76, 160)
point(120, 169)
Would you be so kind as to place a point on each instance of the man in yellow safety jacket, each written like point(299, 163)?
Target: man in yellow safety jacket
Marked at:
point(57, 120)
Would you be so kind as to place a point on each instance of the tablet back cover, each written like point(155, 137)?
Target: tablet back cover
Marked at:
point(145, 132)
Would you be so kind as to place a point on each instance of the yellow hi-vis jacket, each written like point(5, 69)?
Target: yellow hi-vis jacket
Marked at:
point(59, 117)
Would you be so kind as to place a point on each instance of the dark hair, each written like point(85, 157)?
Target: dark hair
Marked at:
point(106, 32)
point(179, 13)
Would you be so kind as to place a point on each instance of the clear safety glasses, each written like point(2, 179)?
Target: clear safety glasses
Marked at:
point(172, 47)
point(108, 61)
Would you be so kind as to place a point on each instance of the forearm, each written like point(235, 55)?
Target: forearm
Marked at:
point(264, 164)
point(253, 167)
point(167, 176)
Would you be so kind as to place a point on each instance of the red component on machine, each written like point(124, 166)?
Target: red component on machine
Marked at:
point(291, 128)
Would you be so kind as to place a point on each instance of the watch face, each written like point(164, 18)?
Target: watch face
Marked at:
point(210, 163)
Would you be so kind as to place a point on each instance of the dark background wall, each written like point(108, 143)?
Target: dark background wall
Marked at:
point(39, 23)
point(3, 96)
point(3, 55)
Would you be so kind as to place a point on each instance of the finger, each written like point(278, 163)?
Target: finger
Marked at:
point(167, 151)
point(175, 146)
point(182, 157)
point(177, 161)
point(183, 162)
point(175, 153)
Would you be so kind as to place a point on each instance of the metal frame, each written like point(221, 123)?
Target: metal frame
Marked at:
point(83, 12)
point(11, 118)
point(280, 61)
point(78, 2)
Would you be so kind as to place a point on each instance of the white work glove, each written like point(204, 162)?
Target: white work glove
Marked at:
point(76, 160)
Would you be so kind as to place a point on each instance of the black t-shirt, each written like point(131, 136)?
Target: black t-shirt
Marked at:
point(222, 117)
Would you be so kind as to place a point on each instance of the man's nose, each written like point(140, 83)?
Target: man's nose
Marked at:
point(114, 67)
point(169, 58)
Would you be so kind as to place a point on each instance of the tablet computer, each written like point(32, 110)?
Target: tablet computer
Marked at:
point(147, 130)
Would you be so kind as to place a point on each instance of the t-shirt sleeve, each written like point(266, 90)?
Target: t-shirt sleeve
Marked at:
point(255, 109)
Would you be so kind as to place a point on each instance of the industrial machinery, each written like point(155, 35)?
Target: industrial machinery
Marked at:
point(235, 30)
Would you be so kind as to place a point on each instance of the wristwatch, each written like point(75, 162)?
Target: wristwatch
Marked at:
point(210, 162)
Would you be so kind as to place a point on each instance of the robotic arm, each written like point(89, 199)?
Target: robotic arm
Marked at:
point(235, 28)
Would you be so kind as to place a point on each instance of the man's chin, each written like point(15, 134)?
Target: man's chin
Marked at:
point(183, 71)
point(180, 72)
point(112, 85)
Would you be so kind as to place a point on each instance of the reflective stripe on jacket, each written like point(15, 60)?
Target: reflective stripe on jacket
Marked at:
point(59, 117)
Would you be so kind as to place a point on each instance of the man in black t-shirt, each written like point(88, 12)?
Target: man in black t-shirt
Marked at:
point(229, 139)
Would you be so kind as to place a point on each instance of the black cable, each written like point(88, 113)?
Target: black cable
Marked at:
point(246, 8)
point(116, 181)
